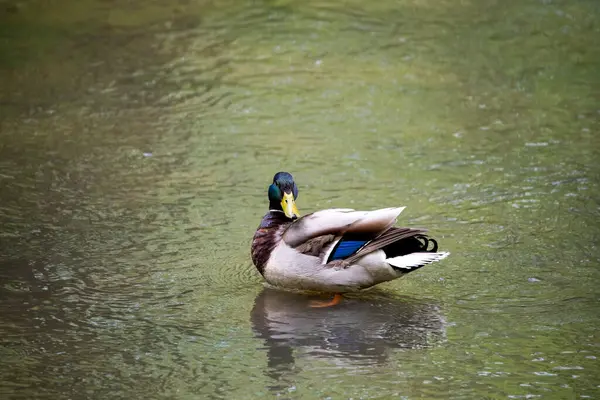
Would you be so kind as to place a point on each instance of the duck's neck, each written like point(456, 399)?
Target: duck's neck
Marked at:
point(275, 205)
point(274, 218)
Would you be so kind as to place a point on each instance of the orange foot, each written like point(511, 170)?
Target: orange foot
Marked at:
point(320, 304)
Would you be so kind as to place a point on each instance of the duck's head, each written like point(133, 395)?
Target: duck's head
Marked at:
point(283, 193)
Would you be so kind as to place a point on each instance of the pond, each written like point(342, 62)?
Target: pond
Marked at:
point(137, 142)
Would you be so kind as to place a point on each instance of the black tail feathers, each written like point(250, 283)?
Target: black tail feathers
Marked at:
point(413, 244)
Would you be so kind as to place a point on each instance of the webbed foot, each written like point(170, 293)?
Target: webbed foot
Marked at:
point(321, 304)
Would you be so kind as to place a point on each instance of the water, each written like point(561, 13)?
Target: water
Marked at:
point(137, 143)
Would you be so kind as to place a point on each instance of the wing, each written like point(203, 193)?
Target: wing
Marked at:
point(346, 247)
point(338, 222)
point(396, 241)
point(316, 246)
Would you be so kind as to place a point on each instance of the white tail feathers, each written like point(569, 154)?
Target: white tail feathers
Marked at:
point(415, 260)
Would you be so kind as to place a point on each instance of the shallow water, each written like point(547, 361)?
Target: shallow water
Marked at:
point(137, 140)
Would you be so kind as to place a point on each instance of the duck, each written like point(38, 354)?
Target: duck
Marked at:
point(337, 250)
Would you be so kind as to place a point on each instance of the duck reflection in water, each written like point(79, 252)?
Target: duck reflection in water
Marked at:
point(360, 331)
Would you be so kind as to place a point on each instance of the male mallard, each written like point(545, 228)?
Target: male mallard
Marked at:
point(336, 250)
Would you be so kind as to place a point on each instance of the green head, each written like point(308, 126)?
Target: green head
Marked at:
point(283, 193)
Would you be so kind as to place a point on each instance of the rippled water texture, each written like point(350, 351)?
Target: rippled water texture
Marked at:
point(137, 140)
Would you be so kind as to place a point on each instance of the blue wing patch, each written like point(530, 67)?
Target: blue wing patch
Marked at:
point(346, 248)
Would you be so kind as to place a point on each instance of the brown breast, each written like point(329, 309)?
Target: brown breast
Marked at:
point(267, 236)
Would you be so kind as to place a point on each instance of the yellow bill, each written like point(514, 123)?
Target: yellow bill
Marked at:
point(288, 205)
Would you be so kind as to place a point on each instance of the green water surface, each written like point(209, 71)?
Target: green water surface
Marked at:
point(137, 141)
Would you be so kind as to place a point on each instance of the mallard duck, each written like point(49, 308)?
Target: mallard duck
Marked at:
point(335, 250)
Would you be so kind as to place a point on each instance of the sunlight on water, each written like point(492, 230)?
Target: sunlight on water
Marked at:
point(137, 141)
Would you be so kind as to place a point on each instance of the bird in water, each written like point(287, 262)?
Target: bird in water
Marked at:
point(336, 250)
